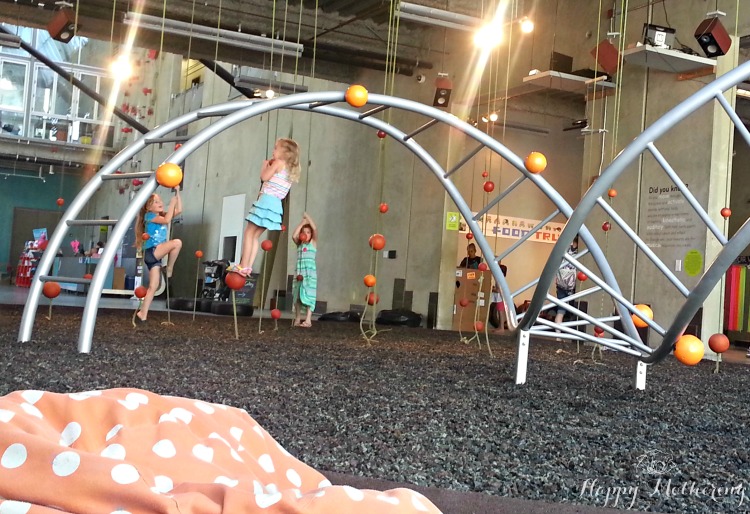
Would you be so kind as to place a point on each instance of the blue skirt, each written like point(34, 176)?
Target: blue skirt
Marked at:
point(266, 212)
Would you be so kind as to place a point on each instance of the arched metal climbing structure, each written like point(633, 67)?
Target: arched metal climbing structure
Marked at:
point(528, 323)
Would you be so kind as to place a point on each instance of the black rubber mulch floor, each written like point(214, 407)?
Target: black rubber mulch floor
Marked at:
point(420, 407)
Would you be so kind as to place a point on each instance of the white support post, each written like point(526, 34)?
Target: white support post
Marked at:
point(524, 337)
point(640, 375)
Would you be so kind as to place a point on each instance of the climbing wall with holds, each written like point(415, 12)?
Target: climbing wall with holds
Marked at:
point(128, 450)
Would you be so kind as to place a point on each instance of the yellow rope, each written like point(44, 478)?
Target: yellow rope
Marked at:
point(618, 85)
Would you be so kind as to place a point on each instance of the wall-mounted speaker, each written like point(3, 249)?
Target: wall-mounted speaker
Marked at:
point(443, 88)
point(607, 56)
point(713, 37)
point(63, 25)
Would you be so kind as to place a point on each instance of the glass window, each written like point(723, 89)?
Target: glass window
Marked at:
point(12, 85)
point(63, 97)
point(43, 88)
point(26, 35)
point(86, 104)
point(55, 50)
point(11, 123)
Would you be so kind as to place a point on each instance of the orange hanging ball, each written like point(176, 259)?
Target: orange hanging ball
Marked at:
point(719, 343)
point(60, 202)
point(145, 236)
point(266, 245)
point(198, 254)
point(275, 313)
point(646, 311)
point(478, 326)
point(169, 174)
point(51, 290)
point(372, 298)
point(536, 162)
point(612, 193)
point(689, 350)
point(377, 241)
point(234, 281)
point(356, 95)
point(370, 280)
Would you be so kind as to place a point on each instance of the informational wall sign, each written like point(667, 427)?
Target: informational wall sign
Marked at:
point(452, 221)
point(670, 221)
point(509, 227)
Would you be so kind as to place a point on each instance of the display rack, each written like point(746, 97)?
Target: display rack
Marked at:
point(665, 59)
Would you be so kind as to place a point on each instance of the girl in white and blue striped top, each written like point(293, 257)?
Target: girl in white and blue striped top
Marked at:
point(277, 174)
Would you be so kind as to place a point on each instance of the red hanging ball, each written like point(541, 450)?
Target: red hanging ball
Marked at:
point(299, 278)
point(145, 236)
point(266, 245)
point(275, 314)
point(140, 292)
point(725, 212)
point(463, 302)
point(469, 235)
point(485, 174)
point(483, 266)
point(51, 290)
point(489, 186)
point(606, 226)
point(234, 281)
point(582, 276)
point(60, 202)
point(198, 254)
point(381, 134)
point(383, 207)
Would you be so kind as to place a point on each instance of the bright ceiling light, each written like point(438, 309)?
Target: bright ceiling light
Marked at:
point(493, 117)
point(270, 93)
point(121, 68)
point(527, 26)
point(488, 37)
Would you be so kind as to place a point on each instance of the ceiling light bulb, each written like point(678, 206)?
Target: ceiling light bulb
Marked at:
point(488, 37)
point(270, 93)
point(485, 119)
point(527, 26)
point(493, 117)
point(121, 68)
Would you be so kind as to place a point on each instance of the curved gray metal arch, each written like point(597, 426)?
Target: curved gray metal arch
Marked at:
point(236, 112)
point(605, 181)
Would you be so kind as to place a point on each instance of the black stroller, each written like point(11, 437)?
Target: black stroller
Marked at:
point(214, 286)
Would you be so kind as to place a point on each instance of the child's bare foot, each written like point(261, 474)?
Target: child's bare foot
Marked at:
point(306, 324)
point(138, 315)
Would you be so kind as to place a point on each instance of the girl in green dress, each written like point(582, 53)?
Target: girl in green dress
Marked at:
point(305, 288)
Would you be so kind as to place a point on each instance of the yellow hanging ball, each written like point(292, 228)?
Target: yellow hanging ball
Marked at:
point(169, 175)
point(689, 350)
point(646, 311)
point(536, 162)
point(356, 95)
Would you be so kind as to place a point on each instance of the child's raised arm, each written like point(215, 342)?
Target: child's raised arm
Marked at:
point(178, 205)
point(306, 217)
point(295, 234)
point(270, 168)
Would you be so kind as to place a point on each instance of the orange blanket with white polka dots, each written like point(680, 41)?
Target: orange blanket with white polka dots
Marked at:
point(128, 451)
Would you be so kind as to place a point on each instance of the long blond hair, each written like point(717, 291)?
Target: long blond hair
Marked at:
point(290, 148)
point(140, 222)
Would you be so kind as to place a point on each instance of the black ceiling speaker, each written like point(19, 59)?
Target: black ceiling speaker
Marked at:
point(63, 26)
point(713, 37)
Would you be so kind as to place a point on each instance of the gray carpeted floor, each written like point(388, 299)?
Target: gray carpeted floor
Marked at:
point(419, 407)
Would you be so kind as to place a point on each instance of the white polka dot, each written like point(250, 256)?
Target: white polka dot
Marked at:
point(266, 500)
point(203, 406)
point(120, 512)
point(6, 415)
point(14, 507)
point(70, 434)
point(266, 463)
point(320, 493)
point(167, 418)
point(214, 435)
point(297, 493)
point(272, 488)
point(114, 451)
point(203, 452)
point(183, 415)
point(294, 477)
point(324, 483)
point(236, 432)
point(259, 430)
point(354, 494)
point(14, 456)
point(258, 488)
point(32, 396)
point(66, 463)
point(235, 456)
point(418, 504)
point(137, 397)
point(79, 397)
point(31, 410)
point(125, 474)
point(283, 450)
point(113, 432)
point(162, 484)
point(164, 448)
point(226, 481)
point(393, 500)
